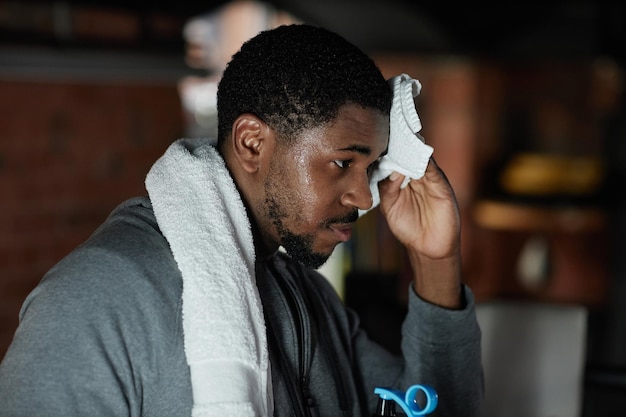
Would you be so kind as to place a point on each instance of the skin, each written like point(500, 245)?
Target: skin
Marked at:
point(307, 193)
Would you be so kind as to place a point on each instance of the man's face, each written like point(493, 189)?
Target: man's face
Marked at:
point(317, 184)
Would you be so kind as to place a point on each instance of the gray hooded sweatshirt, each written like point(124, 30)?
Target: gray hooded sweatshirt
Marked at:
point(101, 335)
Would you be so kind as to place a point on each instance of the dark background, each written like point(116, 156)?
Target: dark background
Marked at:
point(44, 167)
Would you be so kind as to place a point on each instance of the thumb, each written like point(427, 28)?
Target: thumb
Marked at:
point(389, 189)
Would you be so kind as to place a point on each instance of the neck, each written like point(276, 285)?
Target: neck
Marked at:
point(262, 247)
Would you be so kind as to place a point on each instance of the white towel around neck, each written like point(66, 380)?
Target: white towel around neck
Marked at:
point(200, 213)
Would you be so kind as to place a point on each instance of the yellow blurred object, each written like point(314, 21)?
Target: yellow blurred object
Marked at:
point(498, 215)
point(542, 174)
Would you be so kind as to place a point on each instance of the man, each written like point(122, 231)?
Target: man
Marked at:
point(181, 302)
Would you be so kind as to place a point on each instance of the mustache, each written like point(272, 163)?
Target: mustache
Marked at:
point(347, 218)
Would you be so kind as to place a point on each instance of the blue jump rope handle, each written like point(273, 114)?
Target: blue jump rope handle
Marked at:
point(407, 400)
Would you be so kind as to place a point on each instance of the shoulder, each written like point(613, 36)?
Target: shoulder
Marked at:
point(105, 321)
point(125, 268)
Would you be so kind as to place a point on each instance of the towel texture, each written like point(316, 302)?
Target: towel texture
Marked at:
point(200, 212)
point(407, 153)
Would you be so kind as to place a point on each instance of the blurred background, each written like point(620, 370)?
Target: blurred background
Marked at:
point(523, 103)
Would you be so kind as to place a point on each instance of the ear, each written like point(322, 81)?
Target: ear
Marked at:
point(253, 141)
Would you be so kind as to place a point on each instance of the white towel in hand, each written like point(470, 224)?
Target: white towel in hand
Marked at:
point(407, 153)
point(200, 213)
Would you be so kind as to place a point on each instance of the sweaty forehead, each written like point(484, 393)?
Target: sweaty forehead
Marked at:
point(359, 129)
point(355, 131)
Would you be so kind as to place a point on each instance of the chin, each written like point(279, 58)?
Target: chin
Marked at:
point(302, 248)
point(312, 260)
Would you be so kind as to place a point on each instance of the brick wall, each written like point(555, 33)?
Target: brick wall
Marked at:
point(69, 153)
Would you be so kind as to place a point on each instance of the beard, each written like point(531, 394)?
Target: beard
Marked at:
point(298, 246)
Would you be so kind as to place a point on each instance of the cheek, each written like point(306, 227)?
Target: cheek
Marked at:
point(304, 181)
point(309, 178)
point(304, 206)
point(314, 196)
point(306, 191)
point(288, 188)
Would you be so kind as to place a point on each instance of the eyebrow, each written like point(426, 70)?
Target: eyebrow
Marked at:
point(363, 150)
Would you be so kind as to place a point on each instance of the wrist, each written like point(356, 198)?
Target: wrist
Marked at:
point(438, 281)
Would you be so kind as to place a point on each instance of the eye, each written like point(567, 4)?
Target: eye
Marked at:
point(343, 163)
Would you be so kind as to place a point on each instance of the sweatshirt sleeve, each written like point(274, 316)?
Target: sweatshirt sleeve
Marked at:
point(440, 348)
point(444, 347)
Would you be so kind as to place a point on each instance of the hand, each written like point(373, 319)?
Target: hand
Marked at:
point(424, 217)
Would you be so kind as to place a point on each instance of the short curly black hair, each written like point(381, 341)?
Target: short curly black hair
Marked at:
point(295, 77)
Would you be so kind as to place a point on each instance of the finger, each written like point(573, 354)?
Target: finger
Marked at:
point(390, 187)
point(432, 166)
point(433, 171)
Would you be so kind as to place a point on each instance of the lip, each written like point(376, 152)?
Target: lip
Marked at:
point(343, 232)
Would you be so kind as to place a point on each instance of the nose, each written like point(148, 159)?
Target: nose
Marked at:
point(358, 193)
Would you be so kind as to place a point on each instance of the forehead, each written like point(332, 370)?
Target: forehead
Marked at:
point(355, 128)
